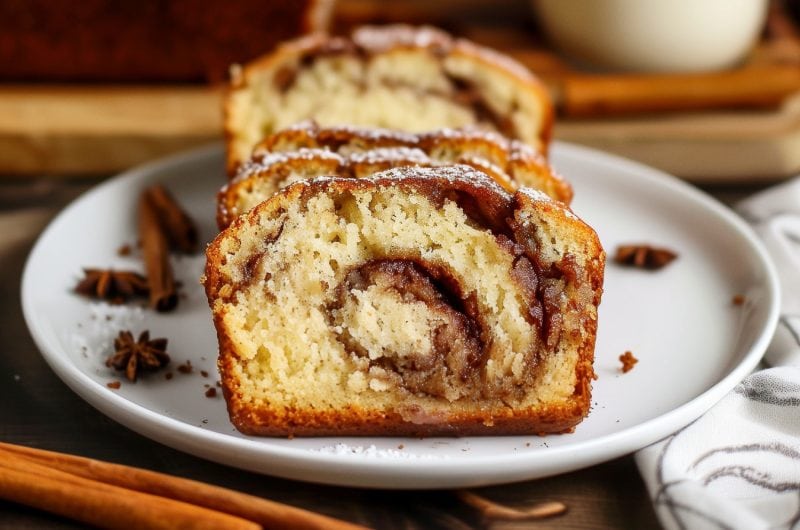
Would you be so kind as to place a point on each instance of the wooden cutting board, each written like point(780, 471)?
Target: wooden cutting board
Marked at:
point(83, 131)
point(707, 147)
point(74, 131)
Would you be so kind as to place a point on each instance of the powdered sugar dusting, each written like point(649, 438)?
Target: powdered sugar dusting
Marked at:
point(371, 451)
point(470, 133)
point(264, 159)
point(353, 143)
point(536, 195)
point(403, 159)
point(377, 39)
point(451, 174)
point(388, 154)
point(539, 196)
point(95, 336)
point(352, 138)
point(188, 270)
point(483, 165)
point(267, 163)
point(309, 133)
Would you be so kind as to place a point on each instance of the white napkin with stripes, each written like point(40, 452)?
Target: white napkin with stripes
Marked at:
point(738, 466)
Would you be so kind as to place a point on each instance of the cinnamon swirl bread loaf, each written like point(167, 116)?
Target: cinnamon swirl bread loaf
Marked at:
point(417, 301)
point(398, 77)
point(307, 150)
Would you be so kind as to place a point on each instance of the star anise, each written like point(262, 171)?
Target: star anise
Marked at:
point(134, 356)
point(111, 285)
point(644, 256)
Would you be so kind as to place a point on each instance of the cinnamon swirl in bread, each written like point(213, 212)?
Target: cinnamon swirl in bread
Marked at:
point(307, 151)
point(398, 77)
point(417, 301)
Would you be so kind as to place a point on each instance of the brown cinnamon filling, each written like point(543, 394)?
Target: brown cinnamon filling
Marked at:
point(284, 78)
point(476, 211)
point(451, 367)
point(249, 269)
point(456, 337)
point(466, 95)
point(549, 288)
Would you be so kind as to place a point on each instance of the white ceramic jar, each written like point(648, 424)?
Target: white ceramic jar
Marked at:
point(653, 35)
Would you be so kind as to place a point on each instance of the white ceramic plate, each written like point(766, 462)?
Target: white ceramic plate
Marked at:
point(693, 344)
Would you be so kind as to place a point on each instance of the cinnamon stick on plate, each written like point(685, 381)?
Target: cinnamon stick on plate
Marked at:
point(179, 228)
point(30, 476)
point(155, 252)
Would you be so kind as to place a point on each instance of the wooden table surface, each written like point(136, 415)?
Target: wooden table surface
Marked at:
point(37, 409)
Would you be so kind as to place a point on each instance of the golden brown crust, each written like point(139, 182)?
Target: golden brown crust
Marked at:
point(496, 208)
point(495, 147)
point(356, 422)
point(307, 148)
point(594, 274)
point(524, 78)
point(373, 40)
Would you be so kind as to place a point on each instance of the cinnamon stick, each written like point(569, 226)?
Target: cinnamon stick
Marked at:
point(607, 95)
point(493, 510)
point(179, 228)
point(92, 502)
point(268, 513)
point(155, 252)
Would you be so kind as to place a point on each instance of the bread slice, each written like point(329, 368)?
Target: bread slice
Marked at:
point(306, 151)
point(399, 77)
point(417, 301)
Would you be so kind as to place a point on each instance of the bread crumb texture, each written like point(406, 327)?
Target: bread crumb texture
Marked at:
point(288, 332)
point(407, 89)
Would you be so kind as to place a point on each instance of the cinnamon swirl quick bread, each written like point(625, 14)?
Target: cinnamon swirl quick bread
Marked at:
point(417, 301)
point(398, 77)
point(307, 150)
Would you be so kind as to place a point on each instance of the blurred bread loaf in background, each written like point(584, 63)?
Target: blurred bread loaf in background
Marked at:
point(145, 40)
point(411, 78)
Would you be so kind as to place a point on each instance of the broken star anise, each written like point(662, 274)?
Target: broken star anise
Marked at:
point(134, 356)
point(111, 285)
point(644, 256)
point(628, 361)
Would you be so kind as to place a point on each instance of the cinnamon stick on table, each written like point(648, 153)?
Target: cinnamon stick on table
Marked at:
point(270, 514)
point(592, 96)
point(155, 252)
point(41, 486)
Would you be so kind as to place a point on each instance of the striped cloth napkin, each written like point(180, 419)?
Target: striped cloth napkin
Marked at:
point(738, 466)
